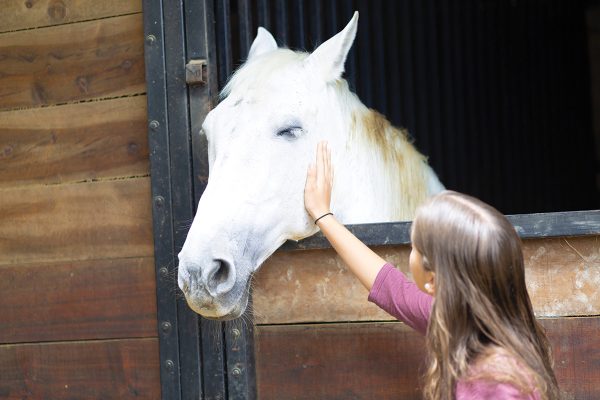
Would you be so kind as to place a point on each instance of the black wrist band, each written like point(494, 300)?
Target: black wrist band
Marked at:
point(324, 215)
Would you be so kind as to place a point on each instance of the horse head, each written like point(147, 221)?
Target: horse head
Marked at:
point(261, 138)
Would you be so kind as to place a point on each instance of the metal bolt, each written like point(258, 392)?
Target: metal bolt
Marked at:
point(170, 365)
point(236, 372)
point(164, 272)
point(150, 39)
point(236, 332)
point(159, 201)
point(154, 124)
point(165, 327)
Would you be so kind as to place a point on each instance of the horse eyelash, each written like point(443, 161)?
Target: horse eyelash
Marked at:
point(289, 132)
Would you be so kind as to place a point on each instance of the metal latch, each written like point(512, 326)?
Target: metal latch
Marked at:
point(196, 72)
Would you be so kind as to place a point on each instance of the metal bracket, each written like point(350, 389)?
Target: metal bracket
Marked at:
point(196, 72)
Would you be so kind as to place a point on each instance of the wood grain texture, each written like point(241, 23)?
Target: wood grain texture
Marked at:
point(338, 361)
point(79, 300)
point(73, 62)
point(118, 369)
point(384, 360)
point(27, 14)
point(75, 142)
point(84, 221)
point(563, 277)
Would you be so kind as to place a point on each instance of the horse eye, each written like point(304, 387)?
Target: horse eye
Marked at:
point(291, 132)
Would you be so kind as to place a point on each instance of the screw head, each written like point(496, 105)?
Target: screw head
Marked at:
point(170, 365)
point(164, 272)
point(150, 39)
point(165, 326)
point(236, 332)
point(159, 201)
point(154, 124)
point(236, 371)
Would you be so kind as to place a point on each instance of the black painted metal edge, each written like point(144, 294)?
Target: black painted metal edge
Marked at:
point(529, 226)
point(158, 141)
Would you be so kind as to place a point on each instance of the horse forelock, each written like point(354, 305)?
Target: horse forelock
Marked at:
point(255, 72)
point(403, 165)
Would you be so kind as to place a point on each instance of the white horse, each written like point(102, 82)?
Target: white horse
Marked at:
point(261, 138)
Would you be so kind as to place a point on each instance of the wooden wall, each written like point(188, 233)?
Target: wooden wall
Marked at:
point(318, 337)
point(77, 283)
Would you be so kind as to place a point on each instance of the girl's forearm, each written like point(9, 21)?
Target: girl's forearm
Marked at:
point(359, 258)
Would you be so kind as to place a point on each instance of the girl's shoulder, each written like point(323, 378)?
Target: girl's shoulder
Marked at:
point(497, 374)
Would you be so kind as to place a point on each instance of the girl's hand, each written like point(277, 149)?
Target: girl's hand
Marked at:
point(319, 181)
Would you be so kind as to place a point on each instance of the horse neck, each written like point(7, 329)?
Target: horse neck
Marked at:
point(381, 175)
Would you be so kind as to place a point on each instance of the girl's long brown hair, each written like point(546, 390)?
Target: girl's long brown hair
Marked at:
point(481, 301)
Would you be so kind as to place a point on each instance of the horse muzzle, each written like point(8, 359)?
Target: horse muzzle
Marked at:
point(212, 289)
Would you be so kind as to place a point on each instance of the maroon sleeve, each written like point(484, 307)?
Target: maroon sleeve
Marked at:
point(401, 298)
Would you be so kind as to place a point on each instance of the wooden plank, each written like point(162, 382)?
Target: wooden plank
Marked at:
point(73, 62)
point(117, 369)
point(338, 361)
point(75, 142)
point(563, 276)
point(80, 300)
point(84, 221)
point(385, 360)
point(38, 13)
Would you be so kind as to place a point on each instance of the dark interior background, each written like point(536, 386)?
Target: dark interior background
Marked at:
point(497, 93)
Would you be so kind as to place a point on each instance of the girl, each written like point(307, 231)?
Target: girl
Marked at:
point(482, 336)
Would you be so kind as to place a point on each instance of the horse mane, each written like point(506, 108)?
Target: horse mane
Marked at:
point(406, 169)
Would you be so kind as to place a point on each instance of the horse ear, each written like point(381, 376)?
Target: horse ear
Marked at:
point(329, 58)
point(263, 43)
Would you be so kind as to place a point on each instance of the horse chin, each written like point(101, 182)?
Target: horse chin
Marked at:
point(219, 310)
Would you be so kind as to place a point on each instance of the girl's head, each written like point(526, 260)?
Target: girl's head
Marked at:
point(469, 255)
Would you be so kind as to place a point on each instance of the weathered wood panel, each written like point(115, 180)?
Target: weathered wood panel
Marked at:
point(118, 369)
point(83, 221)
point(75, 142)
point(383, 360)
point(563, 277)
point(75, 301)
point(38, 13)
point(72, 62)
point(338, 361)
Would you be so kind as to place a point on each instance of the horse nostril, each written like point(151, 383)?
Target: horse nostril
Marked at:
point(222, 278)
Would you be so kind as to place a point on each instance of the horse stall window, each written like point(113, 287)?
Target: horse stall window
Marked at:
point(496, 94)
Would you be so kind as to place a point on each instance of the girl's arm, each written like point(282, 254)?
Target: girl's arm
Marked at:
point(361, 260)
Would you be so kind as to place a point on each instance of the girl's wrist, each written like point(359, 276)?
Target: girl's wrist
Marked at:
point(320, 217)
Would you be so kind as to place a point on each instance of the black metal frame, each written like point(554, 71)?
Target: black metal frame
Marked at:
point(203, 359)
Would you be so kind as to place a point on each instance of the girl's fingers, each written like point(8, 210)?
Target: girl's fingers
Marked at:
point(329, 169)
point(320, 165)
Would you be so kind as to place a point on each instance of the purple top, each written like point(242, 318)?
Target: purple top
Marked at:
point(401, 298)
